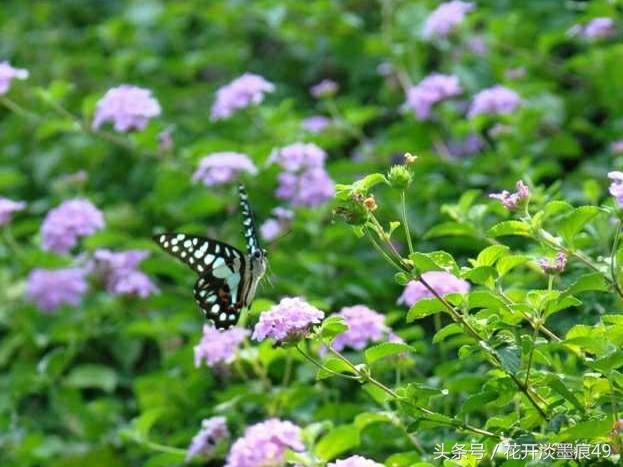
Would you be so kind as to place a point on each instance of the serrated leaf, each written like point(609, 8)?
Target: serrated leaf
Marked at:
point(331, 327)
point(434, 261)
point(449, 330)
point(481, 275)
point(335, 365)
point(490, 255)
point(366, 183)
point(571, 224)
point(509, 358)
point(424, 307)
point(368, 418)
point(506, 264)
point(384, 350)
point(505, 228)
point(589, 430)
point(593, 281)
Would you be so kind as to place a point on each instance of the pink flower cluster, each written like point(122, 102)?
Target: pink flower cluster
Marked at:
point(446, 18)
point(65, 224)
point(8, 74)
point(304, 180)
point(265, 444)
point(290, 319)
point(355, 461)
point(7, 208)
point(513, 200)
point(51, 289)
point(497, 100)
point(218, 347)
point(213, 430)
point(441, 282)
point(431, 90)
point(364, 326)
point(325, 88)
point(223, 167)
point(246, 90)
point(127, 107)
point(555, 266)
point(616, 187)
point(119, 271)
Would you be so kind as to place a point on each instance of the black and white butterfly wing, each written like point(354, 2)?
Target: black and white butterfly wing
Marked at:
point(200, 253)
point(221, 284)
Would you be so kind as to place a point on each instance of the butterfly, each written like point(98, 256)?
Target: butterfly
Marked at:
point(228, 278)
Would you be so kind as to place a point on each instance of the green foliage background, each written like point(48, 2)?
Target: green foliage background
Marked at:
point(112, 382)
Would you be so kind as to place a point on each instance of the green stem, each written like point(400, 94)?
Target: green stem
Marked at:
point(322, 367)
point(364, 377)
point(405, 222)
point(613, 256)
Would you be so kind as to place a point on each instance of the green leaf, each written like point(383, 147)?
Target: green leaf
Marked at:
point(449, 330)
point(402, 278)
point(483, 275)
point(434, 261)
point(331, 327)
point(490, 255)
point(593, 430)
point(384, 350)
point(450, 229)
point(560, 387)
point(593, 281)
point(92, 376)
point(571, 224)
point(504, 228)
point(368, 418)
point(364, 185)
point(506, 264)
point(424, 307)
point(337, 441)
point(509, 358)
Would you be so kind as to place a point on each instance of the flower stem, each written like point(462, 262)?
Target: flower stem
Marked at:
point(405, 222)
point(322, 367)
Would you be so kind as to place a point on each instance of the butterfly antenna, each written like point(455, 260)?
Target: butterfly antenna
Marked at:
point(278, 239)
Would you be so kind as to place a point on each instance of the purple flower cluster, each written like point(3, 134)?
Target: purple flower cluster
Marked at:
point(223, 167)
point(431, 90)
point(120, 273)
point(65, 224)
point(276, 225)
point(597, 28)
point(555, 266)
point(50, 289)
point(617, 146)
point(468, 146)
point(304, 180)
point(513, 200)
point(616, 187)
point(248, 89)
point(8, 74)
point(441, 282)
point(7, 208)
point(325, 88)
point(497, 100)
point(316, 123)
point(445, 18)
point(355, 461)
point(290, 319)
point(213, 430)
point(264, 444)
point(127, 107)
point(218, 347)
point(364, 326)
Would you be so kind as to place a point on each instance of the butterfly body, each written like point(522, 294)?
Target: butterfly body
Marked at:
point(228, 278)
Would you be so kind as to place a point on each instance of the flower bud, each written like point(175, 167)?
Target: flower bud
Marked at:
point(410, 158)
point(399, 177)
point(370, 203)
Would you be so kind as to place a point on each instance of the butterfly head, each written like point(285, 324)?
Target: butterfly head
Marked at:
point(258, 258)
